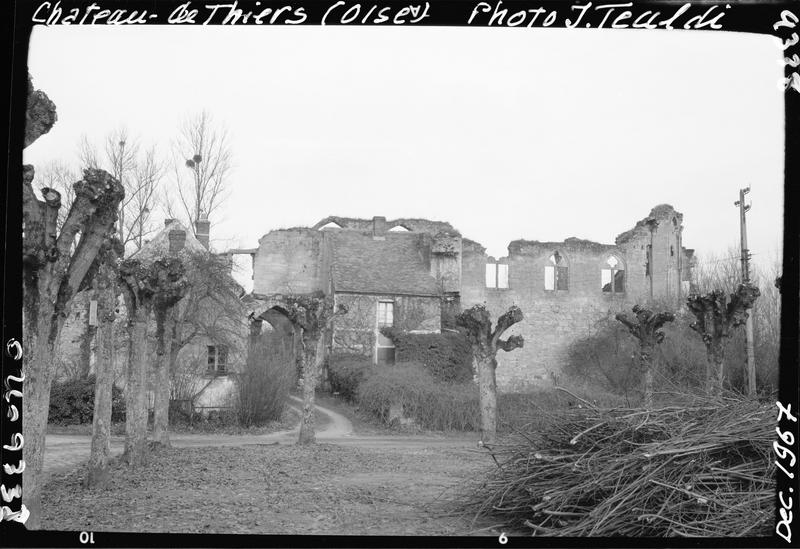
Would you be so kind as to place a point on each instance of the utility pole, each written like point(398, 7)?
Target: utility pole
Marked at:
point(748, 327)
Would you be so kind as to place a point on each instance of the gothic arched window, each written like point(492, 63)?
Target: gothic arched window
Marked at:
point(612, 276)
point(556, 273)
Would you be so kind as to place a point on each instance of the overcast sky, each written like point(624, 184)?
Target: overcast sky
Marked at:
point(506, 133)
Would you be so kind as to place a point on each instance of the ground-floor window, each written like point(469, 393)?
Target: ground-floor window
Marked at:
point(217, 359)
point(384, 347)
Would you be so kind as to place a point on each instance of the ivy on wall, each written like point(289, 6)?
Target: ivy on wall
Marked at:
point(446, 355)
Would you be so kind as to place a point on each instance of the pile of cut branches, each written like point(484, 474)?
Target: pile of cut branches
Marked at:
point(703, 469)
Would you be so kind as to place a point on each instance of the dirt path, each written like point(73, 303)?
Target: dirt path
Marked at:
point(64, 453)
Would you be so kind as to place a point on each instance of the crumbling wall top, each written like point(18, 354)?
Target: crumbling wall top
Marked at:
point(662, 212)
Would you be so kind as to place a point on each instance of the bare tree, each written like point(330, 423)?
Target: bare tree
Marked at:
point(87, 154)
point(59, 176)
point(647, 328)
point(485, 343)
point(202, 161)
point(139, 170)
point(716, 316)
point(52, 272)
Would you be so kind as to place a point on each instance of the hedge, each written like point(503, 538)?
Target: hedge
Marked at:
point(72, 402)
point(447, 355)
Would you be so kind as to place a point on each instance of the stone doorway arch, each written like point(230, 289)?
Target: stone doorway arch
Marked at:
point(310, 316)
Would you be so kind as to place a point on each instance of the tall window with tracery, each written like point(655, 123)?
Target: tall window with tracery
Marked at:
point(556, 274)
point(612, 276)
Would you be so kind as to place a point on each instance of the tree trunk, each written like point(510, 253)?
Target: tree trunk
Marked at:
point(487, 387)
point(161, 400)
point(716, 368)
point(97, 476)
point(310, 379)
point(89, 332)
point(646, 361)
point(136, 392)
point(38, 352)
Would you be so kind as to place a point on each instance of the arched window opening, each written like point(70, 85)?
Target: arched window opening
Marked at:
point(612, 277)
point(556, 274)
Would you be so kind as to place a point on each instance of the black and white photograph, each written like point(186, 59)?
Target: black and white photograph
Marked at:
point(290, 271)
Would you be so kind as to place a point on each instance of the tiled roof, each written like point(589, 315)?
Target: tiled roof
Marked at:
point(393, 266)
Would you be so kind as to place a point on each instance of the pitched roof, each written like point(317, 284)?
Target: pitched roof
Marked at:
point(394, 266)
point(158, 246)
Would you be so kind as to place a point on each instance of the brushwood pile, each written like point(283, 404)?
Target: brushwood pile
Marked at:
point(702, 469)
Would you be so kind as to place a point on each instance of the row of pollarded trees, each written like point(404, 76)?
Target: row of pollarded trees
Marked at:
point(717, 315)
point(79, 246)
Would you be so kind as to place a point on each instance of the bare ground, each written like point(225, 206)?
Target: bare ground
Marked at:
point(363, 487)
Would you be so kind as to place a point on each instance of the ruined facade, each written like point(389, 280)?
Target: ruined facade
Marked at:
point(416, 274)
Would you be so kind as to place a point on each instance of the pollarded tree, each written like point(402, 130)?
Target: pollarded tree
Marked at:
point(647, 328)
point(313, 315)
point(485, 342)
point(104, 284)
point(54, 269)
point(716, 317)
point(148, 286)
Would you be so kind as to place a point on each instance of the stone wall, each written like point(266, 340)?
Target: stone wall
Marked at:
point(554, 318)
point(289, 261)
point(356, 331)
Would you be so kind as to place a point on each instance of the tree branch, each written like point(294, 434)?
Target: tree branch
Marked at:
point(513, 342)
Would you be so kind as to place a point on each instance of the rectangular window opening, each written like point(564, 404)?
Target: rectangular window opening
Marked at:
point(384, 346)
point(502, 275)
point(491, 275)
point(549, 277)
point(217, 359)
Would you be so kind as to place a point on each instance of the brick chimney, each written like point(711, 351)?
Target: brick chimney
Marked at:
point(177, 239)
point(379, 228)
point(202, 228)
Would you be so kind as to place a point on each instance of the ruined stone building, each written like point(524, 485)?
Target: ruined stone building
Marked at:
point(416, 275)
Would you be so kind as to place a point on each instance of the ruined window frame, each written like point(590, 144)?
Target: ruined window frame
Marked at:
point(558, 266)
point(613, 273)
point(384, 319)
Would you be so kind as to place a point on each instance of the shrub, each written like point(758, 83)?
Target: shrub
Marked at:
point(432, 404)
point(522, 411)
point(606, 358)
point(609, 359)
point(447, 355)
point(264, 384)
point(347, 371)
point(72, 402)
